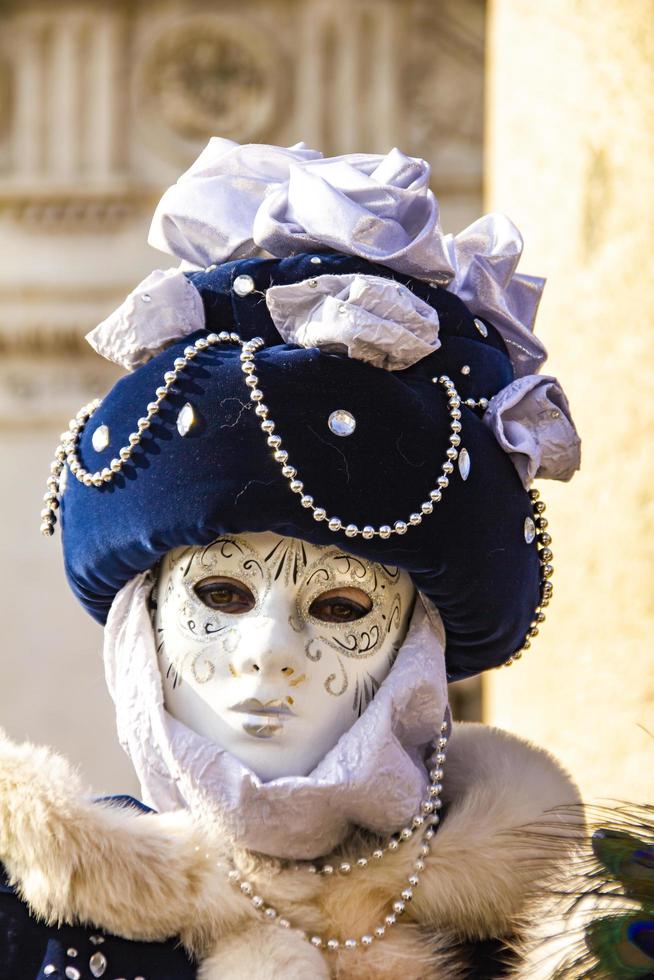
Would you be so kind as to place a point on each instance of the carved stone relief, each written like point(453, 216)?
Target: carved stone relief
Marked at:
point(205, 75)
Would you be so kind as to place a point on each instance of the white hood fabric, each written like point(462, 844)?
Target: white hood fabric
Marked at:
point(374, 777)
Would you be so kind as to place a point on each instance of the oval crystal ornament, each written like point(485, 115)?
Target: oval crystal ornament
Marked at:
point(529, 530)
point(464, 464)
point(100, 438)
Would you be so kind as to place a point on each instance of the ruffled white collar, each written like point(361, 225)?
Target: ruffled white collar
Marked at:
point(374, 777)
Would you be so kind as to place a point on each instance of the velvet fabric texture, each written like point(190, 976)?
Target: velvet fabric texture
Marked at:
point(469, 557)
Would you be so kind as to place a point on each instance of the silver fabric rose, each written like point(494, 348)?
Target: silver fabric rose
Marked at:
point(530, 419)
point(160, 310)
point(237, 201)
point(485, 257)
point(370, 318)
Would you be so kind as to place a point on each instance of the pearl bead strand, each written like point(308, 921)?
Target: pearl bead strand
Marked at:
point(428, 820)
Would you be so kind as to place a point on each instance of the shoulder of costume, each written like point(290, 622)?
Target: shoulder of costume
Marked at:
point(483, 758)
point(512, 816)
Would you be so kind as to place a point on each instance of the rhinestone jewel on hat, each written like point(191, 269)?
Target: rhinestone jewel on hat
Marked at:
point(529, 529)
point(100, 438)
point(243, 285)
point(66, 454)
point(187, 419)
point(342, 422)
point(424, 824)
point(464, 463)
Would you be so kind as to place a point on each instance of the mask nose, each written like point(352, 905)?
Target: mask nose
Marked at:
point(271, 651)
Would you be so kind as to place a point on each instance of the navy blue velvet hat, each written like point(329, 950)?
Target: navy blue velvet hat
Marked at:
point(210, 471)
point(337, 393)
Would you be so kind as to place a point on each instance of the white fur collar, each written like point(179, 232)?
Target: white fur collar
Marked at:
point(156, 876)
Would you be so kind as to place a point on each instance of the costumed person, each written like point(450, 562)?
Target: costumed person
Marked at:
point(304, 509)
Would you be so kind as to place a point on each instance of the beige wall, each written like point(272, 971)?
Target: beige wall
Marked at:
point(570, 145)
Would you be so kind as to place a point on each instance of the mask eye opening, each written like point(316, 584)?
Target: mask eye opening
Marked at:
point(226, 595)
point(346, 604)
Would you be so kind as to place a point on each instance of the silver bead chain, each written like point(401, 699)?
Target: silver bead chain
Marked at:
point(289, 472)
point(478, 403)
point(425, 821)
point(66, 453)
point(543, 540)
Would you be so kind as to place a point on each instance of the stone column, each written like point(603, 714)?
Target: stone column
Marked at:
point(569, 157)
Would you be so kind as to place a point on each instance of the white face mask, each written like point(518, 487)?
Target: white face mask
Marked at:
point(273, 647)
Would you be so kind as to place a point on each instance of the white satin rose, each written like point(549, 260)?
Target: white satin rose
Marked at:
point(237, 201)
point(531, 421)
point(164, 307)
point(367, 317)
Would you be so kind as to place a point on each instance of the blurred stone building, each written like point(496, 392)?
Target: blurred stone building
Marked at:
point(102, 105)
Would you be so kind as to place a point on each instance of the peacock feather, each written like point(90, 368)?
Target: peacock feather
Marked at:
point(597, 918)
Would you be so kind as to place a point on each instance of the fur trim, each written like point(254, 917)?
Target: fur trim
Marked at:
point(155, 876)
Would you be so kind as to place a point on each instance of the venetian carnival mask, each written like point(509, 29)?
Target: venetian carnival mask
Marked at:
point(272, 647)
